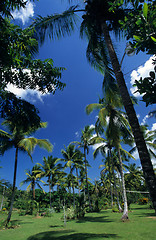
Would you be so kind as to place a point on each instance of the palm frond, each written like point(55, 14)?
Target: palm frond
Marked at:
point(57, 25)
point(94, 106)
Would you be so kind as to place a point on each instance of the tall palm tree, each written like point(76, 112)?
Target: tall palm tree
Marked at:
point(19, 140)
point(69, 156)
point(86, 141)
point(99, 19)
point(50, 169)
point(115, 122)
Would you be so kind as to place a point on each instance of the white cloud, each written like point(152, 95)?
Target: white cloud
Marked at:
point(29, 94)
point(145, 119)
point(142, 71)
point(153, 127)
point(24, 13)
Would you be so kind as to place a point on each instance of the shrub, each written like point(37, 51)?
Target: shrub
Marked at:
point(143, 201)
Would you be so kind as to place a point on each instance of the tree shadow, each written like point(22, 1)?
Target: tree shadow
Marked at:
point(94, 219)
point(56, 226)
point(69, 235)
point(143, 214)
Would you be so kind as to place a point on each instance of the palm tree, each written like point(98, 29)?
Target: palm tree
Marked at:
point(21, 142)
point(134, 177)
point(111, 117)
point(149, 137)
point(50, 169)
point(99, 19)
point(77, 165)
point(69, 156)
point(86, 141)
point(34, 179)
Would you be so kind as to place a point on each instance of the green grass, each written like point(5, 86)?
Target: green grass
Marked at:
point(95, 226)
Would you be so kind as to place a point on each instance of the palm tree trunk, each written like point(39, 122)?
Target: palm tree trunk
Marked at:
point(111, 189)
point(116, 192)
point(49, 191)
point(73, 188)
point(78, 180)
point(2, 197)
point(133, 120)
point(13, 189)
point(87, 179)
point(125, 212)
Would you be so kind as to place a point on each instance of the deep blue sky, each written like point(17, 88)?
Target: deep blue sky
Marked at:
point(65, 111)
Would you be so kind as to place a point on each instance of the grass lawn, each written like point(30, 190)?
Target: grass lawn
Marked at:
point(95, 226)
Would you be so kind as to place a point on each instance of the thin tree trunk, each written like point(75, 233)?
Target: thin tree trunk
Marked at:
point(13, 189)
point(111, 190)
point(49, 191)
point(78, 181)
point(125, 212)
point(87, 179)
point(2, 197)
point(133, 120)
point(116, 192)
point(73, 188)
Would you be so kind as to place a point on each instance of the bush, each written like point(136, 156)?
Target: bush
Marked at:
point(70, 213)
point(143, 201)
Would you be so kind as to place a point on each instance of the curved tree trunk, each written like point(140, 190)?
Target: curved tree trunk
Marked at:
point(13, 189)
point(133, 120)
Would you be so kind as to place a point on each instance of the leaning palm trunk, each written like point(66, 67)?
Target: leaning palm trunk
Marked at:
point(13, 189)
point(125, 212)
point(138, 136)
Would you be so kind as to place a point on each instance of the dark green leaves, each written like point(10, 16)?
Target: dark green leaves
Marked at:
point(147, 88)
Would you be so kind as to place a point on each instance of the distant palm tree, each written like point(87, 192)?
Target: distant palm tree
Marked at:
point(50, 169)
point(150, 139)
point(70, 154)
point(86, 141)
point(34, 179)
point(21, 142)
point(134, 177)
point(116, 126)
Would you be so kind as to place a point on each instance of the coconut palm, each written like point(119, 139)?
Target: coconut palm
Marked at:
point(86, 141)
point(50, 168)
point(134, 177)
point(34, 179)
point(70, 154)
point(98, 20)
point(116, 125)
point(78, 164)
point(149, 137)
point(21, 141)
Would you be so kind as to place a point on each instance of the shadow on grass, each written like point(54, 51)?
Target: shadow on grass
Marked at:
point(143, 214)
point(69, 235)
point(94, 219)
point(56, 226)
